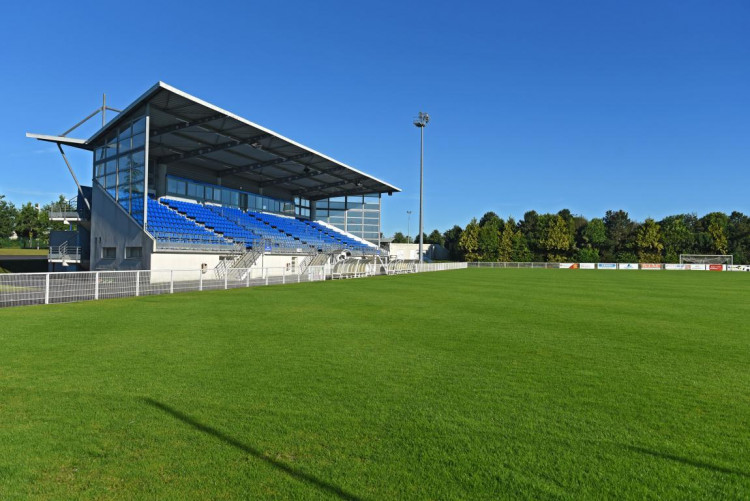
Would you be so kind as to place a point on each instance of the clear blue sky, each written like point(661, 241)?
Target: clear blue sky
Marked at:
point(641, 106)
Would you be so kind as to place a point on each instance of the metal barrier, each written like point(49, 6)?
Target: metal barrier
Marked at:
point(19, 289)
point(476, 264)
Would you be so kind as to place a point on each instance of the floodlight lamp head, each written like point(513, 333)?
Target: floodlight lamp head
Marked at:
point(422, 119)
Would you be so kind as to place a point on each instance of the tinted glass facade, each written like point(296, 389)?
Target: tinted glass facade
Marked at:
point(359, 215)
point(120, 166)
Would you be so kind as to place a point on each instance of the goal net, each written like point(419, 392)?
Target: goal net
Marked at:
point(706, 259)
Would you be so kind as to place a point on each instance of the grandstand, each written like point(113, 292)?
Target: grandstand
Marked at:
point(180, 183)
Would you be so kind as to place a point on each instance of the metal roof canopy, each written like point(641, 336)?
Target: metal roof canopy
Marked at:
point(189, 132)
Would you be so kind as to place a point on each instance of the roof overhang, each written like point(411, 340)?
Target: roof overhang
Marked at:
point(188, 132)
point(68, 141)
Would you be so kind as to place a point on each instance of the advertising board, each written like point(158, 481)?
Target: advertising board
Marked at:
point(587, 266)
point(569, 266)
point(672, 266)
point(650, 266)
point(627, 266)
point(696, 267)
point(715, 267)
point(738, 267)
point(606, 266)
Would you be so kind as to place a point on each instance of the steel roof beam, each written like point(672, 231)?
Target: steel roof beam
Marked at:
point(258, 165)
point(297, 177)
point(184, 125)
point(210, 149)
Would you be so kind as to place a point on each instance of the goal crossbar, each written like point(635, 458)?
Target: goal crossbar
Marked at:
point(707, 259)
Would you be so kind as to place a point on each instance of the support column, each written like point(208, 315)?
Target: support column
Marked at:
point(161, 180)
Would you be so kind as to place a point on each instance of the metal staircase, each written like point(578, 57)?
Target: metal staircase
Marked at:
point(232, 266)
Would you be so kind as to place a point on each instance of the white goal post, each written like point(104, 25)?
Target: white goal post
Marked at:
point(727, 259)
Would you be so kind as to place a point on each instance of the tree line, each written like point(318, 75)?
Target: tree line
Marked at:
point(564, 237)
point(28, 223)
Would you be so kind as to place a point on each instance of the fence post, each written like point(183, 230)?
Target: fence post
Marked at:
point(46, 289)
point(200, 280)
point(265, 273)
point(171, 281)
point(137, 283)
point(283, 276)
point(96, 285)
point(226, 277)
point(247, 278)
point(298, 278)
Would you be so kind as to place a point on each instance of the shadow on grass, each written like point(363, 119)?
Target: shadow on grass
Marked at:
point(687, 461)
point(296, 474)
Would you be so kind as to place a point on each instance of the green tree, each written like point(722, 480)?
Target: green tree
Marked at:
point(556, 241)
point(416, 238)
point(469, 241)
point(399, 238)
point(716, 224)
point(594, 233)
point(619, 231)
point(28, 221)
point(490, 217)
point(8, 215)
point(587, 255)
point(505, 245)
point(435, 238)
point(531, 227)
point(489, 241)
point(739, 237)
point(648, 242)
point(521, 252)
point(676, 237)
point(451, 239)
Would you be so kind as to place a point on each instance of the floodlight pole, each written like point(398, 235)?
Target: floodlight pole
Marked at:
point(408, 227)
point(421, 121)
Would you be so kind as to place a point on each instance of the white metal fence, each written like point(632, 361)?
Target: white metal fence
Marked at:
point(18, 289)
point(513, 265)
point(616, 266)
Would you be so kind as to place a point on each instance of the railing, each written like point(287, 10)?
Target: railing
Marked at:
point(68, 210)
point(18, 289)
point(513, 265)
point(617, 266)
point(65, 253)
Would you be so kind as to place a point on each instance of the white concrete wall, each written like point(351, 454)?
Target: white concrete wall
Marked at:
point(411, 251)
point(180, 261)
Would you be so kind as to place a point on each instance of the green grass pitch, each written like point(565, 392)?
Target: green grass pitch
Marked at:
point(473, 384)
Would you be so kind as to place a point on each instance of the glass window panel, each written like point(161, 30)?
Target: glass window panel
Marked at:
point(181, 188)
point(226, 197)
point(124, 145)
point(139, 140)
point(338, 205)
point(171, 185)
point(136, 175)
point(110, 180)
point(192, 191)
point(139, 157)
point(139, 125)
point(125, 132)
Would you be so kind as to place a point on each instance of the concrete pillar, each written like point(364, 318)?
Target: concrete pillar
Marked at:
point(161, 180)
